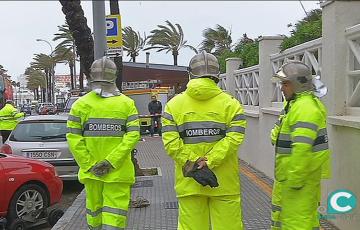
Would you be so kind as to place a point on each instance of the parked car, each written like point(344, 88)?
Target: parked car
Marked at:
point(43, 137)
point(28, 187)
point(47, 109)
point(26, 108)
point(39, 105)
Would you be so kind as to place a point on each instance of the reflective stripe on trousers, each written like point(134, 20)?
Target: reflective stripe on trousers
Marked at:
point(106, 204)
point(104, 227)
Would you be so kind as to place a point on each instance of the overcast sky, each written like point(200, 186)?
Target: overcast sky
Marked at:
point(21, 23)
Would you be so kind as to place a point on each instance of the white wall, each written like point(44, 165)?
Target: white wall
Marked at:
point(343, 121)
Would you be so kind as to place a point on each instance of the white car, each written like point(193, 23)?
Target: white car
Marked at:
point(44, 138)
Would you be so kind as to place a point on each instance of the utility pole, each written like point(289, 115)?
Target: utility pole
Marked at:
point(74, 67)
point(303, 8)
point(114, 9)
point(98, 7)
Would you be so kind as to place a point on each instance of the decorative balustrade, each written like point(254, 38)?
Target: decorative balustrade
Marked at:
point(222, 82)
point(353, 66)
point(247, 85)
point(309, 53)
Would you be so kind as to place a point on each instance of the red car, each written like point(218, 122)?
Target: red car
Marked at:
point(28, 187)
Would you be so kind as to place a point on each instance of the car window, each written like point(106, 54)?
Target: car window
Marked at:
point(44, 131)
point(69, 103)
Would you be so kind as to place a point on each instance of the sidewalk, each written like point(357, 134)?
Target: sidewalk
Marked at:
point(159, 190)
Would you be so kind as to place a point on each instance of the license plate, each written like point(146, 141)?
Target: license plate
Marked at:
point(42, 155)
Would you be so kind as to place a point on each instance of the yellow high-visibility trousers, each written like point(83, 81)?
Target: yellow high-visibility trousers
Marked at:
point(106, 204)
point(199, 212)
point(276, 206)
point(294, 209)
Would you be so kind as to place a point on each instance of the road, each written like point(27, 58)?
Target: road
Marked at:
point(70, 192)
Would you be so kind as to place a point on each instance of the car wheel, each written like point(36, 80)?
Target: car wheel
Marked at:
point(28, 198)
point(54, 216)
point(17, 224)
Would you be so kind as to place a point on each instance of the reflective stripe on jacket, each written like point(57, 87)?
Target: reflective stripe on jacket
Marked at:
point(204, 121)
point(302, 150)
point(104, 128)
point(9, 117)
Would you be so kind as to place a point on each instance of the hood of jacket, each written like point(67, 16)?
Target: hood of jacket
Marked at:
point(202, 89)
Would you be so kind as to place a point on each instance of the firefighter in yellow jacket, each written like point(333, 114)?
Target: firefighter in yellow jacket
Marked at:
point(103, 128)
point(8, 119)
point(205, 126)
point(302, 154)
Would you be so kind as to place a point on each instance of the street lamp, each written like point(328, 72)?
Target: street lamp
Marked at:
point(42, 40)
point(52, 70)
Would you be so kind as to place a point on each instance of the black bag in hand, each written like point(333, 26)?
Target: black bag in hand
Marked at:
point(203, 176)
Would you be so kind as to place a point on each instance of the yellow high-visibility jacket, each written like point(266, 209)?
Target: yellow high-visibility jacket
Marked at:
point(104, 129)
point(301, 142)
point(204, 121)
point(9, 117)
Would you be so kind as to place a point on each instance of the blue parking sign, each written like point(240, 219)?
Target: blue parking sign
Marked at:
point(113, 32)
point(111, 27)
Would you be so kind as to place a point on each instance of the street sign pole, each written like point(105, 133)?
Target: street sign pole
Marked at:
point(114, 9)
point(99, 28)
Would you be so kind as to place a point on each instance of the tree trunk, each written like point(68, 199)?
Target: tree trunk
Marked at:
point(114, 9)
point(175, 59)
point(47, 91)
point(133, 58)
point(43, 96)
point(51, 87)
point(81, 77)
point(80, 31)
point(175, 54)
point(138, 171)
point(71, 66)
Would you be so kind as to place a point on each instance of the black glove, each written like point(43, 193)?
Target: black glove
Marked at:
point(101, 169)
point(203, 176)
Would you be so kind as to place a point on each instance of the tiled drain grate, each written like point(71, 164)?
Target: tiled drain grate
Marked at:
point(143, 183)
point(171, 205)
point(327, 225)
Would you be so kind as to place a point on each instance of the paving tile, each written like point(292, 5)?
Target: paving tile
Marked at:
point(162, 213)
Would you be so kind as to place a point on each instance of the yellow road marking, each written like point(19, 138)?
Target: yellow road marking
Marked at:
point(257, 180)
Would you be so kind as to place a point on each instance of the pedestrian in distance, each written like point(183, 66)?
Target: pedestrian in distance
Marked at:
point(155, 110)
point(302, 156)
point(103, 130)
point(9, 118)
point(203, 128)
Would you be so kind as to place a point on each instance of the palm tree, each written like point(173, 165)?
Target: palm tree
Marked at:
point(216, 40)
point(169, 38)
point(46, 63)
point(132, 42)
point(81, 33)
point(64, 55)
point(65, 49)
point(36, 79)
point(2, 70)
point(3, 76)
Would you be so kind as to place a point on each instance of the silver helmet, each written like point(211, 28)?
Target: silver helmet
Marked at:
point(204, 65)
point(103, 77)
point(298, 73)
